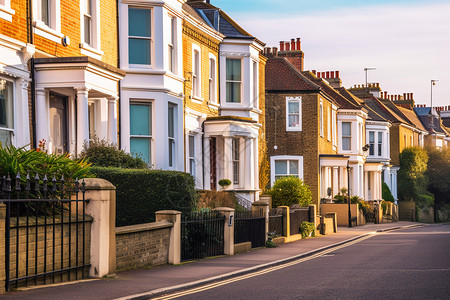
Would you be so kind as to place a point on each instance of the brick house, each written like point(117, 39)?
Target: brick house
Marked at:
point(68, 51)
point(224, 98)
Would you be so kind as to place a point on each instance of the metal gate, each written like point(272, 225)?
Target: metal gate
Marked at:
point(202, 235)
point(250, 227)
point(45, 231)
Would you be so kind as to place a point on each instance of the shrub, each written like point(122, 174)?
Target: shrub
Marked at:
point(103, 154)
point(224, 183)
point(290, 190)
point(214, 199)
point(20, 160)
point(438, 171)
point(140, 193)
point(386, 193)
point(307, 228)
point(412, 180)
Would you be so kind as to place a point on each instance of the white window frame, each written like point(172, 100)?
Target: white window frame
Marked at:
point(151, 38)
point(10, 113)
point(349, 137)
point(196, 73)
point(255, 84)
point(149, 137)
point(334, 127)
point(212, 80)
point(372, 143)
point(380, 143)
point(291, 100)
point(287, 158)
point(235, 81)
point(93, 48)
point(52, 31)
point(329, 123)
point(172, 45)
point(235, 158)
point(191, 156)
point(6, 12)
point(321, 119)
point(172, 140)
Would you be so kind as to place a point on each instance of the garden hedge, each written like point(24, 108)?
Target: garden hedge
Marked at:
point(140, 193)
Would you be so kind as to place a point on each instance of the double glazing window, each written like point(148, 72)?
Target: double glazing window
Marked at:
point(233, 80)
point(293, 114)
point(172, 45)
point(139, 36)
point(346, 136)
point(235, 158)
point(372, 143)
point(285, 168)
point(171, 134)
point(46, 12)
point(141, 130)
point(87, 19)
point(380, 144)
point(6, 111)
point(192, 155)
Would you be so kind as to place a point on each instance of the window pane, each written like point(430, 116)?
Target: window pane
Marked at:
point(234, 69)
point(233, 92)
point(191, 146)
point(281, 167)
point(6, 102)
point(294, 107)
point(139, 51)
point(294, 121)
point(141, 146)
point(45, 9)
point(346, 129)
point(293, 167)
point(87, 29)
point(139, 22)
point(171, 152)
point(171, 122)
point(140, 119)
point(371, 137)
point(346, 143)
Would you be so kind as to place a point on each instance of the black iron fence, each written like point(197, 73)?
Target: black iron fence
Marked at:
point(276, 222)
point(250, 227)
point(46, 231)
point(202, 235)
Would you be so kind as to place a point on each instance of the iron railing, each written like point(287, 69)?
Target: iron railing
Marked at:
point(276, 222)
point(250, 227)
point(202, 235)
point(46, 230)
point(244, 203)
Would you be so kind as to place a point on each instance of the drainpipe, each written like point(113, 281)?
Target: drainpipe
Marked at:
point(30, 40)
point(119, 100)
point(203, 154)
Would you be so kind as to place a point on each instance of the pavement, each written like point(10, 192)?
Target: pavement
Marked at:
point(151, 282)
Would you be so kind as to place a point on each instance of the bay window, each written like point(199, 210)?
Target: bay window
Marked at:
point(235, 159)
point(141, 130)
point(6, 111)
point(346, 136)
point(380, 144)
point(139, 36)
point(372, 143)
point(171, 134)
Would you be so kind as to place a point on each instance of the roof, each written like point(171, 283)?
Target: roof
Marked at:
point(77, 60)
point(220, 21)
point(412, 117)
point(383, 110)
point(332, 93)
point(430, 122)
point(195, 14)
point(281, 75)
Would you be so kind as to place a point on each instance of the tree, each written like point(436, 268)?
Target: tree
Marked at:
point(386, 193)
point(438, 173)
point(290, 190)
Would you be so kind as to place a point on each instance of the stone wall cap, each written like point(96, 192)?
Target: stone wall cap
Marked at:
point(260, 203)
point(168, 212)
point(98, 184)
point(223, 209)
point(143, 227)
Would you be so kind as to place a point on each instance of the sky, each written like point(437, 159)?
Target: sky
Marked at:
point(407, 41)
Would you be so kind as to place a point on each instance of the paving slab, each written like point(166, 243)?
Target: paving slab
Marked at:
point(166, 277)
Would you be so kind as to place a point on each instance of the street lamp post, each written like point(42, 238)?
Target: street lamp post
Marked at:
point(348, 194)
point(368, 69)
point(433, 82)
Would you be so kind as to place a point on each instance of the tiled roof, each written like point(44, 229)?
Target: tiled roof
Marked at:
point(412, 117)
point(281, 75)
point(332, 93)
point(219, 20)
point(397, 110)
point(446, 122)
point(373, 115)
point(383, 110)
point(430, 122)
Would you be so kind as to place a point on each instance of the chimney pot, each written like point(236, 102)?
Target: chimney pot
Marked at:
point(274, 51)
point(292, 44)
point(299, 44)
point(314, 72)
point(327, 74)
point(404, 96)
point(332, 74)
point(281, 46)
point(412, 96)
point(323, 75)
point(287, 46)
point(337, 74)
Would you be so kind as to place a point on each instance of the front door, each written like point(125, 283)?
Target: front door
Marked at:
point(58, 124)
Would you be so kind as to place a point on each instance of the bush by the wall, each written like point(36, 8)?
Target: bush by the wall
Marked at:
point(140, 193)
point(386, 193)
point(290, 190)
point(103, 154)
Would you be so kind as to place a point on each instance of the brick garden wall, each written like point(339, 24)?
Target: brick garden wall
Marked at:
point(142, 245)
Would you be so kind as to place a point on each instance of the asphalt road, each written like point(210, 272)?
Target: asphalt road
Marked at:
point(402, 264)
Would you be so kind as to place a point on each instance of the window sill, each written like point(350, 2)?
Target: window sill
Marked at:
point(213, 105)
point(6, 13)
point(293, 129)
point(89, 51)
point(196, 100)
point(47, 32)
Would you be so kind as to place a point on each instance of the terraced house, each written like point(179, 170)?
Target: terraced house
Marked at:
point(63, 55)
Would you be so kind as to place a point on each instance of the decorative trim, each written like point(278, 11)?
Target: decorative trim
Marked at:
point(201, 38)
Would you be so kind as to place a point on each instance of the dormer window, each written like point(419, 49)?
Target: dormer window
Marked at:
point(233, 80)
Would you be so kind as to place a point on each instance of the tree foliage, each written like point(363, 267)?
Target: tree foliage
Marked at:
point(386, 193)
point(290, 190)
point(438, 173)
point(412, 177)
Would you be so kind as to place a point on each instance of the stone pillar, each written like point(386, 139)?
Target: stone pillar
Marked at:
point(206, 176)
point(101, 205)
point(82, 118)
point(335, 181)
point(286, 221)
point(267, 199)
point(264, 206)
point(228, 229)
point(174, 217)
point(249, 164)
point(41, 117)
point(112, 119)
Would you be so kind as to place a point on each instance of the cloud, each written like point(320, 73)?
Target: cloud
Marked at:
point(408, 44)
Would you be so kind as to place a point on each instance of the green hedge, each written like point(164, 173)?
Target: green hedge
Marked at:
point(140, 193)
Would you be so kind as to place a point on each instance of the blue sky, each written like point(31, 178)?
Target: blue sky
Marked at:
point(407, 41)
